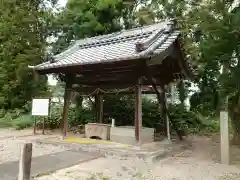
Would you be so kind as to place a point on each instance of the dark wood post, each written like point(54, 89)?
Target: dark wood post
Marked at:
point(138, 112)
point(100, 108)
point(96, 108)
point(166, 116)
point(35, 79)
point(67, 99)
point(43, 126)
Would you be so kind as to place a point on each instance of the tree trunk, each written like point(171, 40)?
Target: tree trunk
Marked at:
point(235, 118)
point(161, 100)
point(78, 99)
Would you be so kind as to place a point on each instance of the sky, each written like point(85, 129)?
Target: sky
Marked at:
point(51, 80)
point(62, 2)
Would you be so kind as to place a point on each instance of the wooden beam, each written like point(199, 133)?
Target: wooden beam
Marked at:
point(109, 70)
point(115, 93)
point(124, 82)
point(111, 90)
point(90, 88)
point(93, 67)
point(98, 78)
point(113, 84)
point(166, 72)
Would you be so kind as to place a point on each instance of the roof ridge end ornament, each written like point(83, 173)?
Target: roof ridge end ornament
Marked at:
point(145, 44)
point(31, 67)
point(171, 26)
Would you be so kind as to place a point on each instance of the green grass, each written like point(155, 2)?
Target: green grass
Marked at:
point(21, 122)
point(4, 123)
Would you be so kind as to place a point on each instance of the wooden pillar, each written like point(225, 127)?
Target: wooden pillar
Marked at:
point(67, 99)
point(100, 108)
point(35, 79)
point(163, 112)
point(138, 113)
point(167, 119)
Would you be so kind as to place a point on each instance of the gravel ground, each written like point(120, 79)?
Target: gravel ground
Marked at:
point(194, 164)
point(5, 133)
point(198, 163)
point(11, 141)
point(174, 168)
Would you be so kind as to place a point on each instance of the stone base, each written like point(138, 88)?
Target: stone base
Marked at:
point(96, 130)
point(126, 134)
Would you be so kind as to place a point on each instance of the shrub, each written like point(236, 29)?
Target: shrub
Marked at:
point(122, 109)
point(192, 122)
point(22, 122)
point(151, 113)
point(80, 116)
point(4, 123)
point(76, 116)
point(6, 120)
point(55, 116)
point(2, 113)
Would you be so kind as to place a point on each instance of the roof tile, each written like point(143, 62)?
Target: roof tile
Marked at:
point(124, 45)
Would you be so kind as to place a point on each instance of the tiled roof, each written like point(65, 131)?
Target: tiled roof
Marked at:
point(135, 43)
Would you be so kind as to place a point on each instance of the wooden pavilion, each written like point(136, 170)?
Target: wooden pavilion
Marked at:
point(144, 59)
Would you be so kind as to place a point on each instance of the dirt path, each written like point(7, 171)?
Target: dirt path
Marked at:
point(11, 141)
point(197, 163)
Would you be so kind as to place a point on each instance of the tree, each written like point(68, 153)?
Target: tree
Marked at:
point(81, 19)
point(23, 32)
point(216, 31)
point(220, 54)
point(211, 34)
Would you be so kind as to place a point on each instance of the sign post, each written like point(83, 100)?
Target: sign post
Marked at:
point(40, 107)
point(224, 137)
point(25, 161)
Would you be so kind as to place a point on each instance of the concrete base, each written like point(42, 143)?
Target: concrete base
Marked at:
point(149, 152)
point(97, 130)
point(126, 134)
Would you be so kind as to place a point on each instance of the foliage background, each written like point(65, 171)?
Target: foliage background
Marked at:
point(211, 34)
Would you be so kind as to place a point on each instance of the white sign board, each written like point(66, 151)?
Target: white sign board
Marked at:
point(40, 107)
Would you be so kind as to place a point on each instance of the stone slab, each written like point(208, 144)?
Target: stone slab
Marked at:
point(97, 130)
point(161, 150)
point(126, 134)
point(47, 163)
